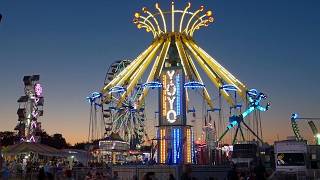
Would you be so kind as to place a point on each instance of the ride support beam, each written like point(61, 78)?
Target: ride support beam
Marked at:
point(136, 68)
point(183, 57)
point(241, 132)
point(158, 64)
point(140, 72)
point(215, 80)
point(252, 131)
point(221, 71)
point(198, 77)
point(162, 57)
point(235, 135)
point(131, 66)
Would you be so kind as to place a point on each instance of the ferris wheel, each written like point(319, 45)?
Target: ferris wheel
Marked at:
point(126, 120)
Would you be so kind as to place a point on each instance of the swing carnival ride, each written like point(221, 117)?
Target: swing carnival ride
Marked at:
point(173, 59)
point(295, 128)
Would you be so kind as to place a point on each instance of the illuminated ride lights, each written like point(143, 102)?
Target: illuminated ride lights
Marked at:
point(38, 89)
point(294, 125)
point(188, 146)
point(229, 87)
point(153, 84)
point(194, 85)
point(173, 58)
point(30, 109)
point(163, 148)
point(117, 89)
point(254, 104)
point(178, 104)
point(171, 95)
point(252, 92)
point(176, 134)
point(93, 97)
point(164, 95)
point(124, 118)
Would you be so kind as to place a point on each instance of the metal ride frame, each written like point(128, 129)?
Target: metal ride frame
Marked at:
point(127, 121)
point(296, 131)
point(30, 109)
point(180, 37)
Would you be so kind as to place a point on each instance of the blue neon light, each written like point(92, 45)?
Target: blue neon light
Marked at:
point(294, 116)
point(152, 84)
point(247, 112)
point(93, 96)
point(117, 89)
point(214, 109)
point(194, 84)
point(252, 92)
point(174, 145)
point(178, 94)
point(234, 122)
point(229, 87)
point(254, 103)
point(176, 133)
point(178, 144)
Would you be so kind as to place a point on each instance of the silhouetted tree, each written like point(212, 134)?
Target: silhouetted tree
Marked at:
point(56, 140)
point(8, 138)
point(81, 146)
point(59, 141)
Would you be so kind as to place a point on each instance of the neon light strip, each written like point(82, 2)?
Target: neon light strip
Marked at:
point(178, 143)
point(188, 146)
point(174, 145)
point(163, 146)
point(178, 94)
point(38, 89)
point(164, 94)
point(192, 147)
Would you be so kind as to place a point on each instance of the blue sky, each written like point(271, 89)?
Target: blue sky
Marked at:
point(270, 45)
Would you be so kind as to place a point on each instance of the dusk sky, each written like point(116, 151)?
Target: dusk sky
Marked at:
point(273, 46)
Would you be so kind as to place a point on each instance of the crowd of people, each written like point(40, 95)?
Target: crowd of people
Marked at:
point(97, 171)
point(257, 172)
point(37, 169)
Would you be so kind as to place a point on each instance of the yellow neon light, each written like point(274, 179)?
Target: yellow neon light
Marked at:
point(141, 70)
point(200, 24)
point(145, 10)
point(163, 19)
point(183, 14)
point(220, 70)
point(147, 27)
point(162, 146)
point(195, 22)
point(154, 33)
point(194, 14)
point(164, 95)
point(157, 67)
point(131, 66)
point(210, 74)
point(183, 57)
point(137, 64)
point(188, 146)
point(149, 22)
